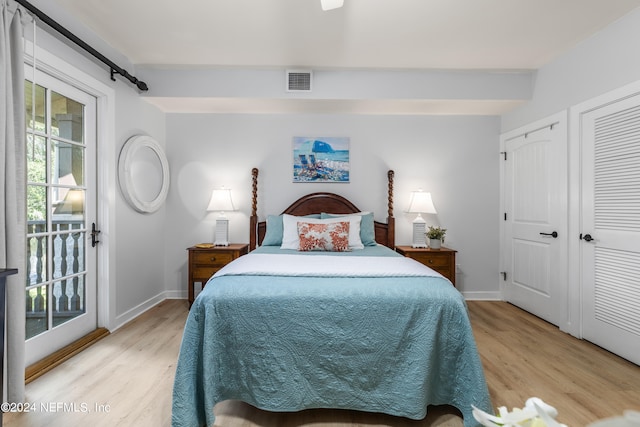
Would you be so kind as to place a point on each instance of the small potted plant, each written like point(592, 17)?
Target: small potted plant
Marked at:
point(436, 236)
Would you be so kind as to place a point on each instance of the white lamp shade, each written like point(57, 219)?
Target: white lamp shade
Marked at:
point(421, 203)
point(331, 4)
point(221, 201)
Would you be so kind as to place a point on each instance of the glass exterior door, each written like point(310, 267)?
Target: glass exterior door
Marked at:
point(60, 149)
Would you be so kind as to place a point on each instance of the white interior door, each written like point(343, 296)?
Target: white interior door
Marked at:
point(61, 207)
point(535, 220)
point(610, 226)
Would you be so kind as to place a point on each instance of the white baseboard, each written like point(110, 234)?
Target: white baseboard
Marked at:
point(482, 296)
point(175, 294)
point(136, 311)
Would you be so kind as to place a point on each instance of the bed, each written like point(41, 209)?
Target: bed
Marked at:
point(353, 326)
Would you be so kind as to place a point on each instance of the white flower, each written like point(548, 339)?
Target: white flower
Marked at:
point(535, 413)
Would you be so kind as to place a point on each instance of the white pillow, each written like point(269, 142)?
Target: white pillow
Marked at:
point(291, 239)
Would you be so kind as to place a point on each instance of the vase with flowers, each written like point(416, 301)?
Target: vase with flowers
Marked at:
point(435, 236)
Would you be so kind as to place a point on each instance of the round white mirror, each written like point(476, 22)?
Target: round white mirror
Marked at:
point(143, 171)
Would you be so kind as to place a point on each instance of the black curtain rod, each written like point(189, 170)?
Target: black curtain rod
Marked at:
point(115, 69)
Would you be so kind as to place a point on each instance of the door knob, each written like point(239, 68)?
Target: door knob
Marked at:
point(554, 234)
point(586, 237)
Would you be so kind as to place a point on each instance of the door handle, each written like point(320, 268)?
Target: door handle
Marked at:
point(554, 234)
point(94, 235)
point(586, 237)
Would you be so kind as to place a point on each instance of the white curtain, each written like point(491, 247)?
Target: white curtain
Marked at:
point(13, 187)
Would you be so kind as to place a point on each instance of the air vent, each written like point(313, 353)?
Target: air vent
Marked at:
point(298, 81)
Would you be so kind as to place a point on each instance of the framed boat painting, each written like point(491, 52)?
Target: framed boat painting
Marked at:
point(323, 159)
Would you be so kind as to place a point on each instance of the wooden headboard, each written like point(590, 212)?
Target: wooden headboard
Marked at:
point(316, 203)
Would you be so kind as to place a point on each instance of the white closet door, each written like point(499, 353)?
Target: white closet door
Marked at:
point(535, 212)
point(610, 226)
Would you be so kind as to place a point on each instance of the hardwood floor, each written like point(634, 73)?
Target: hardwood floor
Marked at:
point(126, 378)
point(524, 356)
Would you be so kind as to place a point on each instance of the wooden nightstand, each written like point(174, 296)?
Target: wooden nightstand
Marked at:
point(203, 262)
point(442, 260)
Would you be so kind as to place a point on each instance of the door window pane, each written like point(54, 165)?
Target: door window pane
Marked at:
point(37, 311)
point(37, 208)
point(37, 122)
point(68, 253)
point(69, 207)
point(67, 164)
point(69, 299)
point(36, 158)
point(66, 118)
point(36, 260)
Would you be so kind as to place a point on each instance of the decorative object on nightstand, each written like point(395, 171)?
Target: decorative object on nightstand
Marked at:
point(436, 236)
point(205, 259)
point(221, 202)
point(420, 203)
point(442, 260)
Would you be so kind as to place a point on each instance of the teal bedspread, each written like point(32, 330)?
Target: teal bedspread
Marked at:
point(375, 344)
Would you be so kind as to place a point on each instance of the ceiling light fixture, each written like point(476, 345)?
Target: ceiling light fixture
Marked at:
point(331, 4)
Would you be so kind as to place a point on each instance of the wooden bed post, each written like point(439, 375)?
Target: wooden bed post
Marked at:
point(253, 220)
point(391, 221)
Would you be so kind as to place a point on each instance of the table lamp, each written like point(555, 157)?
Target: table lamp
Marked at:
point(420, 203)
point(221, 202)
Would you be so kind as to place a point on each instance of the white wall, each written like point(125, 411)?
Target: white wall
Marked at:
point(608, 60)
point(454, 157)
point(139, 254)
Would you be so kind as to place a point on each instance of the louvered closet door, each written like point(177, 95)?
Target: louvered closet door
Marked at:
point(611, 217)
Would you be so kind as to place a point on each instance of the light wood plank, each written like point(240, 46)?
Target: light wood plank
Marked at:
point(130, 373)
point(48, 363)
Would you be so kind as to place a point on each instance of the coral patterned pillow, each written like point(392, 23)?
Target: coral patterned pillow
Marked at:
point(332, 236)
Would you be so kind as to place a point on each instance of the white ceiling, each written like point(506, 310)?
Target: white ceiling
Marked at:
point(364, 34)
